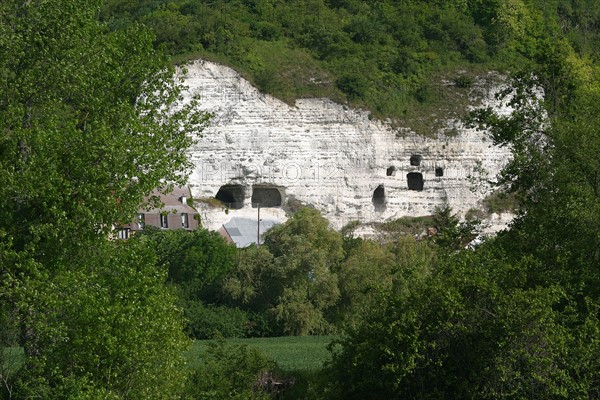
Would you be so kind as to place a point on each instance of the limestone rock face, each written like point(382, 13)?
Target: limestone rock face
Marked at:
point(329, 156)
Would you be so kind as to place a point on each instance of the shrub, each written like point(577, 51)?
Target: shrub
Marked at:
point(229, 372)
point(463, 81)
point(499, 202)
point(204, 321)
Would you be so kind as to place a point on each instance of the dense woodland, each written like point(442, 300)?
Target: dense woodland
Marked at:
point(85, 89)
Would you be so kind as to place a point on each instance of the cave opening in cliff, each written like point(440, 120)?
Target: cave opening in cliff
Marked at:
point(266, 196)
point(415, 181)
point(379, 198)
point(391, 171)
point(232, 195)
point(439, 171)
point(415, 160)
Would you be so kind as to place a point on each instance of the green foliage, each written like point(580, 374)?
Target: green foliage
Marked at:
point(292, 277)
point(88, 128)
point(298, 359)
point(389, 57)
point(229, 372)
point(197, 261)
point(306, 250)
point(469, 330)
point(499, 202)
point(377, 55)
point(453, 234)
point(364, 276)
point(109, 324)
point(518, 316)
point(406, 225)
point(206, 321)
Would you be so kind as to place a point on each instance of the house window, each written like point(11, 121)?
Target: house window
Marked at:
point(123, 233)
point(184, 221)
point(141, 220)
point(164, 221)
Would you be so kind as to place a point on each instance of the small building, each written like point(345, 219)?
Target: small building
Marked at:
point(175, 213)
point(244, 232)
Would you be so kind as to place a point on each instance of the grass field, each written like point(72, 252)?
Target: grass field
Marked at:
point(292, 354)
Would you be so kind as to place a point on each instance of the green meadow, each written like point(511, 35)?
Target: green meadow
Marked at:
point(291, 353)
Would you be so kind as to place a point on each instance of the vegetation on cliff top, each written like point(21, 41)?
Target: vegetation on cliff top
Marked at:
point(400, 59)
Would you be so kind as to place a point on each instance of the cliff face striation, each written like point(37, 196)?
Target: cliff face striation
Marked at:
point(261, 150)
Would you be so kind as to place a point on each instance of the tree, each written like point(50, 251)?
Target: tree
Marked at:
point(294, 276)
point(471, 329)
point(196, 261)
point(86, 119)
point(308, 251)
point(364, 276)
point(518, 316)
point(231, 372)
point(89, 125)
point(106, 320)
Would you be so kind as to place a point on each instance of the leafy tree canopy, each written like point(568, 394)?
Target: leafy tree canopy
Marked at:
point(88, 127)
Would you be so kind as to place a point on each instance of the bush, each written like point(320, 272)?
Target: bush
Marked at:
point(229, 372)
point(499, 202)
point(463, 81)
point(204, 321)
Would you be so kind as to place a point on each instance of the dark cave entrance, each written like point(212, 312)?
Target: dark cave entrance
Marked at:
point(415, 181)
point(266, 196)
point(439, 171)
point(379, 198)
point(415, 160)
point(232, 195)
point(391, 171)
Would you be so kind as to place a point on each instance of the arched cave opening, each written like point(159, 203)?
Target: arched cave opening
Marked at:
point(415, 160)
point(232, 195)
point(379, 198)
point(415, 181)
point(391, 171)
point(439, 171)
point(266, 196)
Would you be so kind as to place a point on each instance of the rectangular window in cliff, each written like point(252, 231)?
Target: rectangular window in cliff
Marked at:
point(391, 171)
point(415, 181)
point(415, 160)
point(266, 196)
point(439, 171)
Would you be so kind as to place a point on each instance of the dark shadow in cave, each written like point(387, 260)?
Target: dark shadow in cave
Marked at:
point(415, 181)
point(266, 196)
point(232, 195)
point(379, 198)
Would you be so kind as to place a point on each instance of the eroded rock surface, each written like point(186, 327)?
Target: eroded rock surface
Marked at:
point(330, 156)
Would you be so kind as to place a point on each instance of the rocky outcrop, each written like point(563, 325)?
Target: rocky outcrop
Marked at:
point(328, 155)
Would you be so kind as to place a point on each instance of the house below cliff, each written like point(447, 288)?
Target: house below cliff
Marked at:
point(174, 212)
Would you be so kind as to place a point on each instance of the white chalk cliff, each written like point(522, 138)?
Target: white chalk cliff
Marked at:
point(329, 156)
